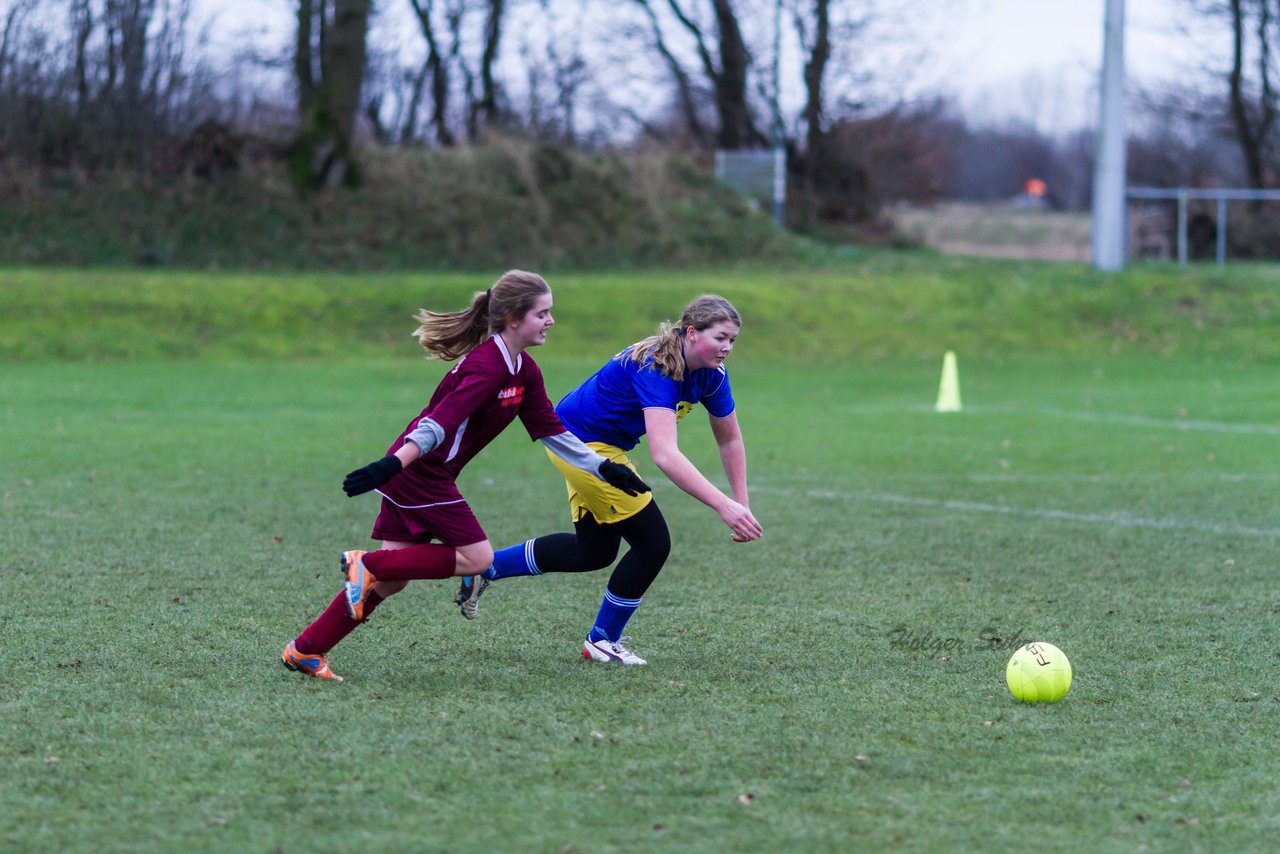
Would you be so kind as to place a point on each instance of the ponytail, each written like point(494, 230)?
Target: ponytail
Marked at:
point(667, 347)
point(449, 335)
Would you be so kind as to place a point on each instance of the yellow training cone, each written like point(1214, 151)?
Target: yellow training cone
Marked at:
point(949, 389)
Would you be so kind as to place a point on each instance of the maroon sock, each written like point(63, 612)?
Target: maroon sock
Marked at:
point(425, 560)
point(332, 626)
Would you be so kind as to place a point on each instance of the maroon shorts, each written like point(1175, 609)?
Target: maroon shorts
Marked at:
point(451, 523)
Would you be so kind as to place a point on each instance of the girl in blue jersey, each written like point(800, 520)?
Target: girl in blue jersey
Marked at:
point(647, 389)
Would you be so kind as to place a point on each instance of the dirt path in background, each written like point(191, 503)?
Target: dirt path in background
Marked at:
point(1035, 252)
point(997, 231)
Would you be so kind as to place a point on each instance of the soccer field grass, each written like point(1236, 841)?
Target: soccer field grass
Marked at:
point(837, 685)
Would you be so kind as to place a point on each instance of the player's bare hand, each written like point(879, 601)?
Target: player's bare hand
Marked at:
point(744, 526)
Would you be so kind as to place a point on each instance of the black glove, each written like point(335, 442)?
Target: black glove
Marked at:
point(621, 477)
point(371, 476)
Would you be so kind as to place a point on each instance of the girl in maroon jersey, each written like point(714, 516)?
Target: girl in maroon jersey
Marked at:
point(494, 382)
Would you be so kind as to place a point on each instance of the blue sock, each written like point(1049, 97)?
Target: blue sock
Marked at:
point(513, 560)
point(613, 616)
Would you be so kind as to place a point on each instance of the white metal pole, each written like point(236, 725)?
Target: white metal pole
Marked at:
point(780, 186)
point(1182, 227)
point(1109, 166)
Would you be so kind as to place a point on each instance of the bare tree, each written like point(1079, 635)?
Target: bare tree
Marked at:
point(330, 63)
point(569, 71)
point(1253, 103)
point(131, 20)
point(463, 43)
point(486, 108)
point(437, 69)
point(82, 30)
point(736, 127)
point(308, 47)
point(1249, 99)
point(816, 43)
point(12, 22)
point(103, 82)
point(409, 122)
point(725, 63)
point(12, 84)
point(685, 92)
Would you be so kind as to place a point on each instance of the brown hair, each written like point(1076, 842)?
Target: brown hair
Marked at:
point(448, 335)
point(667, 346)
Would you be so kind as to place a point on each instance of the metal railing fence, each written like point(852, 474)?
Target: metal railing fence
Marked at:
point(1184, 195)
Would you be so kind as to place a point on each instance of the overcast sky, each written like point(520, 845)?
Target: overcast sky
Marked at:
point(1000, 40)
point(1000, 52)
point(1035, 60)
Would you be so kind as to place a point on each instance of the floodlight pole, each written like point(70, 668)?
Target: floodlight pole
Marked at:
point(1109, 162)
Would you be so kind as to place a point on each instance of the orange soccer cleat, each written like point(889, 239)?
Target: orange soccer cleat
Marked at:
point(312, 665)
point(359, 583)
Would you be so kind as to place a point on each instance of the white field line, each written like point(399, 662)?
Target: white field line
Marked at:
point(1182, 424)
point(1192, 477)
point(1120, 520)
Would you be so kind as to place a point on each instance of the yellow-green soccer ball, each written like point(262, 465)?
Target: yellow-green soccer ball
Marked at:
point(1038, 673)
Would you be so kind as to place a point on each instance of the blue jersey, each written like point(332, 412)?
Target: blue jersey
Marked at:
point(609, 406)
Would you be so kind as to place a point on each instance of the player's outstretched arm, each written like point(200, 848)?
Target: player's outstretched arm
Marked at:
point(375, 474)
point(660, 425)
point(733, 454)
point(575, 452)
point(728, 439)
point(370, 477)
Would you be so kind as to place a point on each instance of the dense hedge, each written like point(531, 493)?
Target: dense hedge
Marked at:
point(509, 203)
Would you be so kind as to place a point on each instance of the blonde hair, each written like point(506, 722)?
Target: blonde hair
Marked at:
point(449, 335)
point(667, 347)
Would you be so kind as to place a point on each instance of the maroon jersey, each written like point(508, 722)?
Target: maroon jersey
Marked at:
point(485, 391)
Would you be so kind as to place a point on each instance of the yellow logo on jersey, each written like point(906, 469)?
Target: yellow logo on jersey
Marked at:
point(683, 408)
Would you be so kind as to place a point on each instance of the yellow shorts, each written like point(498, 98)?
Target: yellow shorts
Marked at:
point(590, 494)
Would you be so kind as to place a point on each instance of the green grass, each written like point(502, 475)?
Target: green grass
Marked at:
point(869, 306)
point(169, 524)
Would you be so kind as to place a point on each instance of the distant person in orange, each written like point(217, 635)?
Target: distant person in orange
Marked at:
point(1035, 194)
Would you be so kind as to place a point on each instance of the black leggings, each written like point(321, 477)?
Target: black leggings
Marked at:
point(594, 546)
